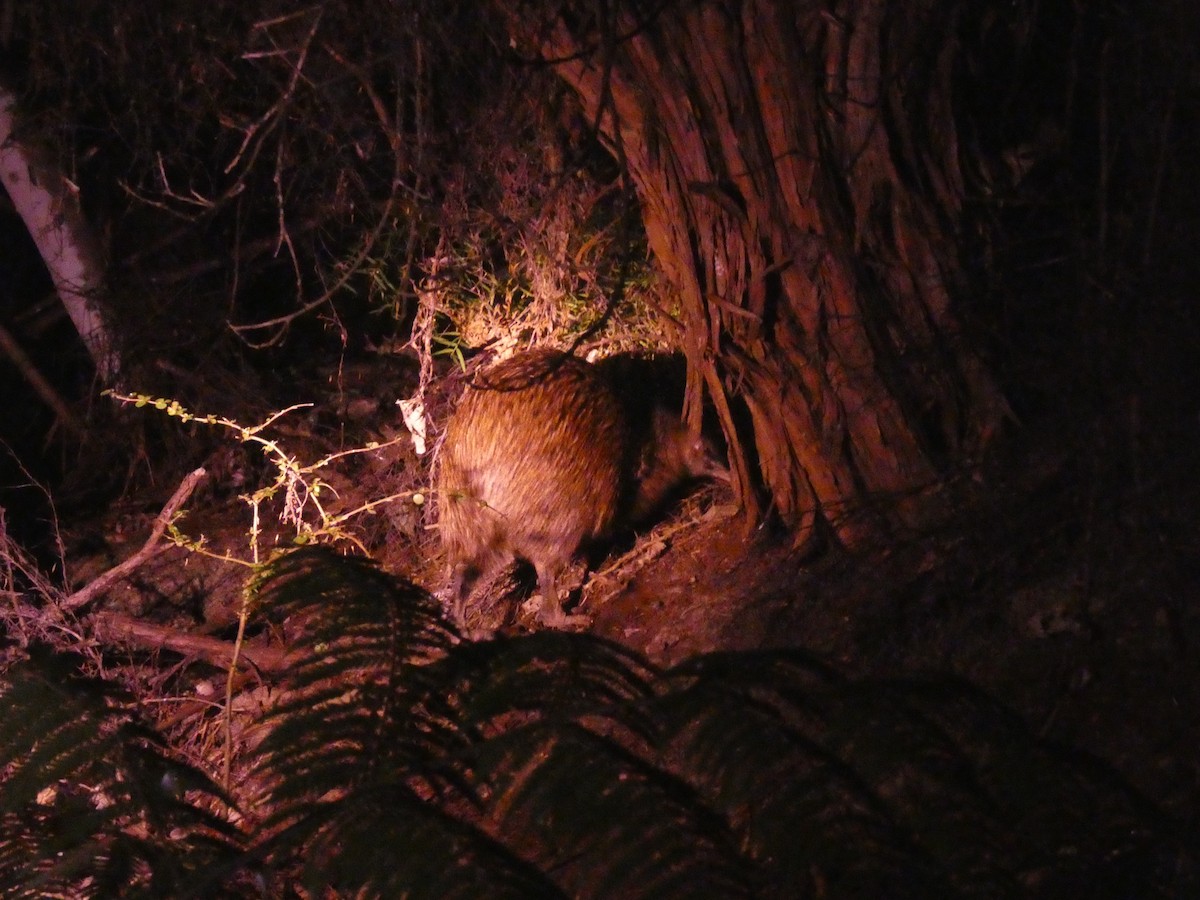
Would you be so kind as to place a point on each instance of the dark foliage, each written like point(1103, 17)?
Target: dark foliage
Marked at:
point(403, 761)
point(92, 802)
point(407, 763)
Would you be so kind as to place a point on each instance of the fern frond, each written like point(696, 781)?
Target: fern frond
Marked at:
point(366, 757)
point(744, 730)
point(554, 675)
point(359, 695)
point(90, 796)
point(443, 736)
point(349, 603)
point(384, 840)
point(604, 821)
point(912, 788)
point(562, 739)
point(404, 763)
point(1057, 818)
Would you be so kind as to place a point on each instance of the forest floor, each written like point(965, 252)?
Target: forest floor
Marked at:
point(1062, 581)
point(1091, 640)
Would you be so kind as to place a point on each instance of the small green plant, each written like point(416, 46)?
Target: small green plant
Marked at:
point(301, 491)
point(448, 342)
point(296, 483)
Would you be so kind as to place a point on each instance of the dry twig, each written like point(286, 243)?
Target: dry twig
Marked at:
point(153, 545)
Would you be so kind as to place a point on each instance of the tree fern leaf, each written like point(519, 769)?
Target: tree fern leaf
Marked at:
point(95, 796)
point(554, 675)
point(402, 763)
point(800, 812)
point(602, 820)
point(389, 843)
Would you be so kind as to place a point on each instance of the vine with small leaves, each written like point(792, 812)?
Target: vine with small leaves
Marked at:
point(301, 489)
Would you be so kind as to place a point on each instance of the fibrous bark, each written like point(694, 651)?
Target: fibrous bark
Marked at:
point(799, 177)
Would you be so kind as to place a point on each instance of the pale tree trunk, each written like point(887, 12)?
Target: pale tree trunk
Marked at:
point(47, 203)
point(802, 196)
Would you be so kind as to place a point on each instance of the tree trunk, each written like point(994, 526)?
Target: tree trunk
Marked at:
point(47, 203)
point(798, 172)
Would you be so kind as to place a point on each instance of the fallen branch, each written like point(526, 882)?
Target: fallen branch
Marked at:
point(117, 628)
point(90, 591)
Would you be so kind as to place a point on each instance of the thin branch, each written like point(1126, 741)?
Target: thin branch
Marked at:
point(246, 253)
point(349, 271)
point(41, 387)
point(153, 546)
point(277, 108)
